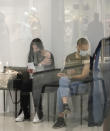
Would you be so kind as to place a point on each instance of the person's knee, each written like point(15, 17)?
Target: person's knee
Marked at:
point(64, 82)
point(58, 93)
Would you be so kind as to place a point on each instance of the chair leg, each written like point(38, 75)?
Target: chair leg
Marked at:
point(29, 105)
point(81, 109)
point(4, 101)
point(48, 99)
point(55, 103)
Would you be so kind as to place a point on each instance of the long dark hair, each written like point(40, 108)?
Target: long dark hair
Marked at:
point(39, 44)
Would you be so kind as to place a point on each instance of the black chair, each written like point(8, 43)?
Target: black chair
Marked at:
point(4, 95)
point(17, 82)
point(16, 86)
point(48, 88)
point(51, 88)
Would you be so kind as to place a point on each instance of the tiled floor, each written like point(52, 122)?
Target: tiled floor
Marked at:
point(8, 123)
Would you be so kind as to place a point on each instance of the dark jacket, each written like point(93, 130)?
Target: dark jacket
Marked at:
point(97, 104)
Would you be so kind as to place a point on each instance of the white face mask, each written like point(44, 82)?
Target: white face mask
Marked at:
point(83, 53)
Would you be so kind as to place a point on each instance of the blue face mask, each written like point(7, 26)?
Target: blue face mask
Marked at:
point(83, 53)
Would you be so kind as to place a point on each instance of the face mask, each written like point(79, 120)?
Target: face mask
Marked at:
point(83, 53)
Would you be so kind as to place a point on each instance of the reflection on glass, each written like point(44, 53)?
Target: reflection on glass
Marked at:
point(4, 39)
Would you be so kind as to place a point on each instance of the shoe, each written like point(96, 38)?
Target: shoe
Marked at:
point(60, 123)
point(36, 119)
point(20, 118)
point(66, 109)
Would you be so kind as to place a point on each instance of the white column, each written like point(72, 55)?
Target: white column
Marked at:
point(58, 30)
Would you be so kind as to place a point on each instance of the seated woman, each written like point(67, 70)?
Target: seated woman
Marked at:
point(42, 60)
point(70, 78)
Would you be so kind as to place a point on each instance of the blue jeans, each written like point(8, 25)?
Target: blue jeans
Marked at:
point(67, 88)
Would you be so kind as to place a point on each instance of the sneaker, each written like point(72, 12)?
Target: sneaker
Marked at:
point(36, 119)
point(66, 109)
point(20, 118)
point(60, 123)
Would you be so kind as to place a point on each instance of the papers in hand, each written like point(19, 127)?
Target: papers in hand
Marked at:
point(31, 66)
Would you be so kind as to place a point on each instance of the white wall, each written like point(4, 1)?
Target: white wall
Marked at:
point(14, 45)
point(44, 8)
point(16, 37)
point(58, 31)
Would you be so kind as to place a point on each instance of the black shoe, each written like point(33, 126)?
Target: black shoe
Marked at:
point(59, 123)
point(40, 115)
point(26, 117)
point(66, 109)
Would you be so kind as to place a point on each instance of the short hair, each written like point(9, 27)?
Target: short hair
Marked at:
point(38, 43)
point(82, 41)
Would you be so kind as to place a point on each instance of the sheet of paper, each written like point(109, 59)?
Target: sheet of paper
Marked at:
point(31, 66)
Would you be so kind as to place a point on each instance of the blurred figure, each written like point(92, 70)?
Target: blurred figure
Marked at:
point(95, 32)
point(33, 21)
point(70, 78)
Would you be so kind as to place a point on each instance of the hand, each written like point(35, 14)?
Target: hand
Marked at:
point(46, 61)
point(61, 75)
point(11, 71)
point(30, 71)
point(20, 72)
point(14, 72)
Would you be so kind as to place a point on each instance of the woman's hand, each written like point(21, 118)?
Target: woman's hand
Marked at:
point(30, 71)
point(61, 75)
point(46, 61)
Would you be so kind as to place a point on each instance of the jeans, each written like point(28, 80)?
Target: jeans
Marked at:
point(67, 88)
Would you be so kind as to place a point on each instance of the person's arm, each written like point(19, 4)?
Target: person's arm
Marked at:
point(46, 60)
point(84, 73)
point(67, 72)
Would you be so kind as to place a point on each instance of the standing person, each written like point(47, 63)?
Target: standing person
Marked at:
point(42, 59)
point(95, 32)
point(70, 78)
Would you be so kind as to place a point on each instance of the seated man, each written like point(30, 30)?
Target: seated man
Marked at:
point(71, 77)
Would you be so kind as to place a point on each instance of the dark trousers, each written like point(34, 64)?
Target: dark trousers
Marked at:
point(26, 88)
point(36, 86)
point(41, 79)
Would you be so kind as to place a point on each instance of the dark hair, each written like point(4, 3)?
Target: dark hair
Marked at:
point(38, 43)
point(82, 41)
